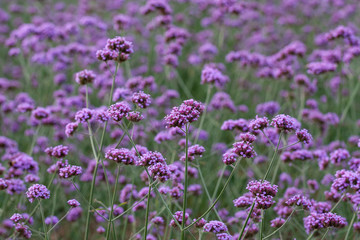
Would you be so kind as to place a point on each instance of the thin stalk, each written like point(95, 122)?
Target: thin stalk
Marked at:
point(57, 223)
point(112, 202)
point(247, 219)
point(186, 182)
point(268, 139)
point(262, 224)
point(277, 230)
point(273, 158)
point(207, 99)
point(302, 103)
point(350, 226)
point(218, 197)
point(147, 212)
point(351, 100)
point(338, 202)
point(323, 237)
point(43, 221)
point(90, 202)
point(34, 140)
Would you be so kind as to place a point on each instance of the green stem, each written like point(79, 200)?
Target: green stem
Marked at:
point(57, 223)
point(186, 182)
point(218, 197)
point(112, 203)
point(277, 230)
point(351, 100)
point(147, 212)
point(247, 219)
point(302, 103)
point(262, 223)
point(208, 93)
point(43, 221)
point(350, 226)
point(273, 158)
point(30, 152)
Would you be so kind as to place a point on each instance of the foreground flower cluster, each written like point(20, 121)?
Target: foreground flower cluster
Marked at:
point(159, 119)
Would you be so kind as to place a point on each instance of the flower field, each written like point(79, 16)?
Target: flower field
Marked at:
point(180, 119)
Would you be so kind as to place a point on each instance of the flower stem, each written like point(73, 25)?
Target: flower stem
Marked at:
point(350, 226)
point(112, 203)
point(218, 197)
point(147, 212)
point(186, 182)
point(273, 158)
point(208, 93)
point(247, 219)
point(351, 100)
point(277, 230)
point(43, 221)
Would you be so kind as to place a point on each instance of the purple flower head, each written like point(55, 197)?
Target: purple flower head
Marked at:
point(179, 218)
point(268, 108)
point(16, 217)
point(59, 151)
point(188, 112)
point(117, 49)
point(304, 136)
point(160, 171)
point(119, 110)
point(141, 99)
point(263, 192)
point(223, 236)
point(122, 155)
point(229, 157)
point(299, 200)
point(70, 128)
point(212, 75)
point(52, 220)
point(83, 115)
point(70, 171)
point(323, 220)
point(37, 191)
point(134, 116)
point(150, 158)
point(85, 77)
point(317, 68)
point(244, 149)
point(73, 203)
point(259, 123)
point(339, 155)
point(285, 123)
point(40, 113)
point(277, 222)
point(215, 227)
point(23, 230)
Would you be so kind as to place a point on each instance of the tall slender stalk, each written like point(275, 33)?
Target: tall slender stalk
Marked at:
point(43, 220)
point(207, 99)
point(350, 226)
point(147, 212)
point(186, 181)
point(108, 230)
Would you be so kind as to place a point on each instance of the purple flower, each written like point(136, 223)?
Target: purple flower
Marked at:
point(84, 77)
point(70, 171)
point(134, 116)
point(244, 149)
point(285, 123)
point(179, 218)
point(122, 155)
point(16, 217)
point(117, 49)
point(151, 158)
point(160, 171)
point(141, 99)
point(212, 75)
point(263, 192)
point(52, 220)
point(268, 108)
point(73, 203)
point(259, 123)
point(277, 222)
point(59, 151)
point(339, 155)
point(323, 220)
point(317, 68)
point(188, 112)
point(304, 136)
point(229, 157)
point(119, 110)
point(83, 115)
point(70, 128)
point(37, 191)
point(215, 227)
